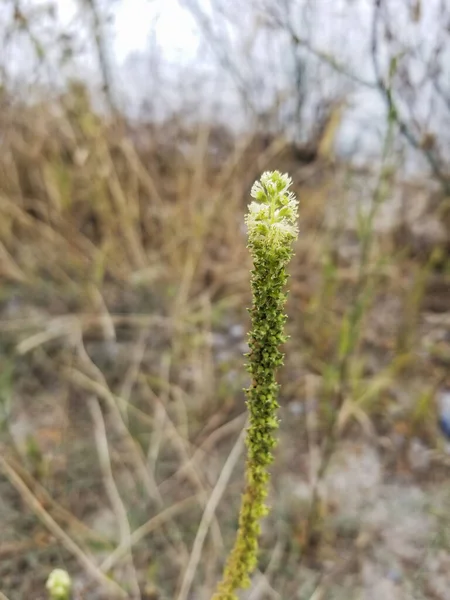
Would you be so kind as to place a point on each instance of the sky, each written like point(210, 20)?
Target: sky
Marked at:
point(163, 58)
point(172, 25)
point(136, 21)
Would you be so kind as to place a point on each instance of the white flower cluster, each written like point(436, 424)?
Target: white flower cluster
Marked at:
point(59, 584)
point(274, 213)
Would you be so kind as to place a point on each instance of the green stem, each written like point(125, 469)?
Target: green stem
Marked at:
point(272, 229)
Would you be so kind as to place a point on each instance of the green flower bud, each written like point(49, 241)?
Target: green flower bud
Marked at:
point(59, 585)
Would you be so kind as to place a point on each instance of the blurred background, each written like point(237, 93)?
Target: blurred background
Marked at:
point(131, 132)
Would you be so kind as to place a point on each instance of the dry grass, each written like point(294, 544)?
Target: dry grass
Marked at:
point(125, 282)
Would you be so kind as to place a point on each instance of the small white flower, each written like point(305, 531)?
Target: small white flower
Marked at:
point(267, 178)
point(276, 181)
point(283, 227)
point(258, 211)
point(273, 216)
point(257, 190)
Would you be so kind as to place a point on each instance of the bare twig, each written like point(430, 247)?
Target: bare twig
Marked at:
point(116, 415)
point(133, 371)
point(112, 491)
point(329, 60)
point(194, 474)
point(220, 49)
point(64, 515)
point(88, 565)
point(393, 110)
point(206, 447)
point(286, 25)
point(263, 587)
point(162, 518)
point(208, 515)
point(86, 321)
point(102, 52)
point(139, 459)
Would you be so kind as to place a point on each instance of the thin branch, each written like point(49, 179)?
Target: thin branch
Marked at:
point(208, 515)
point(112, 490)
point(195, 475)
point(330, 61)
point(263, 587)
point(34, 504)
point(102, 53)
point(222, 54)
point(64, 515)
point(205, 449)
point(393, 110)
point(162, 518)
point(321, 55)
point(117, 417)
point(140, 466)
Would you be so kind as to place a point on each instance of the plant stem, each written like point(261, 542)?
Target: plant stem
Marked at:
point(272, 228)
